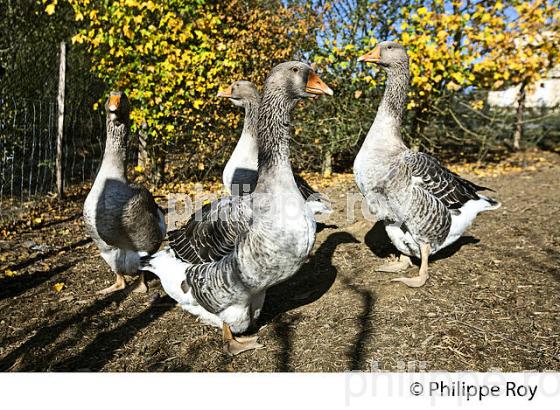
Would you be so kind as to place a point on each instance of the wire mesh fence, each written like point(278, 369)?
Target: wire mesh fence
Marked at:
point(28, 131)
point(28, 146)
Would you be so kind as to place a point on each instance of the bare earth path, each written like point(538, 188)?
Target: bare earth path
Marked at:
point(492, 302)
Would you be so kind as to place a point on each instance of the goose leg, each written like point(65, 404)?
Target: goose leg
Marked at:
point(235, 345)
point(402, 263)
point(422, 277)
point(140, 286)
point(119, 284)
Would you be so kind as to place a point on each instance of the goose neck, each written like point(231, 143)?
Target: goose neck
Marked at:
point(385, 132)
point(273, 136)
point(115, 155)
point(251, 119)
point(396, 93)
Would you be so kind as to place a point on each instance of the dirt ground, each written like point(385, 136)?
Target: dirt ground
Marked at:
point(492, 301)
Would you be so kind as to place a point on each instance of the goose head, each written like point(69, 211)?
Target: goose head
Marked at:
point(241, 93)
point(387, 54)
point(294, 80)
point(118, 107)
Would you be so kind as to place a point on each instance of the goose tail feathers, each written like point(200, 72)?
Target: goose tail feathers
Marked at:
point(171, 272)
point(491, 204)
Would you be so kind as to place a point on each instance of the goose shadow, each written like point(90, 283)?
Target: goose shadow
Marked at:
point(378, 241)
point(454, 247)
point(310, 282)
point(322, 226)
point(356, 353)
point(381, 246)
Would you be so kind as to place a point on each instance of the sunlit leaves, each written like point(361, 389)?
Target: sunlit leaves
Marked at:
point(484, 45)
point(172, 57)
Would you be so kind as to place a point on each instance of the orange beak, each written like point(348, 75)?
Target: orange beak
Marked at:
point(114, 102)
point(374, 56)
point(225, 93)
point(316, 86)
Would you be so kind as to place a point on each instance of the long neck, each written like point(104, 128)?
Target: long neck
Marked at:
point(251, 121)
point(114, 158)
point(385, 130)
point(273, 140)
point(247, 145)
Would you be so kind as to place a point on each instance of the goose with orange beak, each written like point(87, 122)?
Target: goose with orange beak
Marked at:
point(220, 268)
point(240, 173)
point(122, 219)
point(424, 206)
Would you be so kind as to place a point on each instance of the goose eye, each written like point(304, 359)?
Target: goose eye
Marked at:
point(390, 47)
point(295, 69)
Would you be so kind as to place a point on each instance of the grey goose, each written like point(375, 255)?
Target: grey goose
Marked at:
point(221, 263)
point(240, 173)
point(122, 219)
point(424, 206)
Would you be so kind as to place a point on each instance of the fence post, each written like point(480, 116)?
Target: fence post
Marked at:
point(60, 134)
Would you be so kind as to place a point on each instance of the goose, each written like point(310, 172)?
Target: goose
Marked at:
point(424, 206)
point(240, 173)
point(220, 264)
point(122, 219)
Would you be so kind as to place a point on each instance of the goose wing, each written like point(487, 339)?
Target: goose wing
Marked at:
point(212, 231)
point(448, 187)
point(320, 203)
point(304, 188)
point(128, 217)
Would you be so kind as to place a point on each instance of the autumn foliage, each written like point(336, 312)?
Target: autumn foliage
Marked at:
point(172, 57)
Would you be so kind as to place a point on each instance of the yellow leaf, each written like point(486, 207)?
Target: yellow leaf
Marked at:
point(59, 286)
point(37, 220)
point(477, 105)
point(128, 32)
point(9, 273)
point(452, 86)
point(50, 9)
point(458, 77)
point(139, 168)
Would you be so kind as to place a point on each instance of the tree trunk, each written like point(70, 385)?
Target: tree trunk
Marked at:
point(157, 161)
point(518, 132)
point(327, 164)
point(60, 133)
point(142, 148)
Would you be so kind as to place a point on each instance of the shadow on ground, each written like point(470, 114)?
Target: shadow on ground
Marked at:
point(311, 282)
point(379, 243)
point(39, 351)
